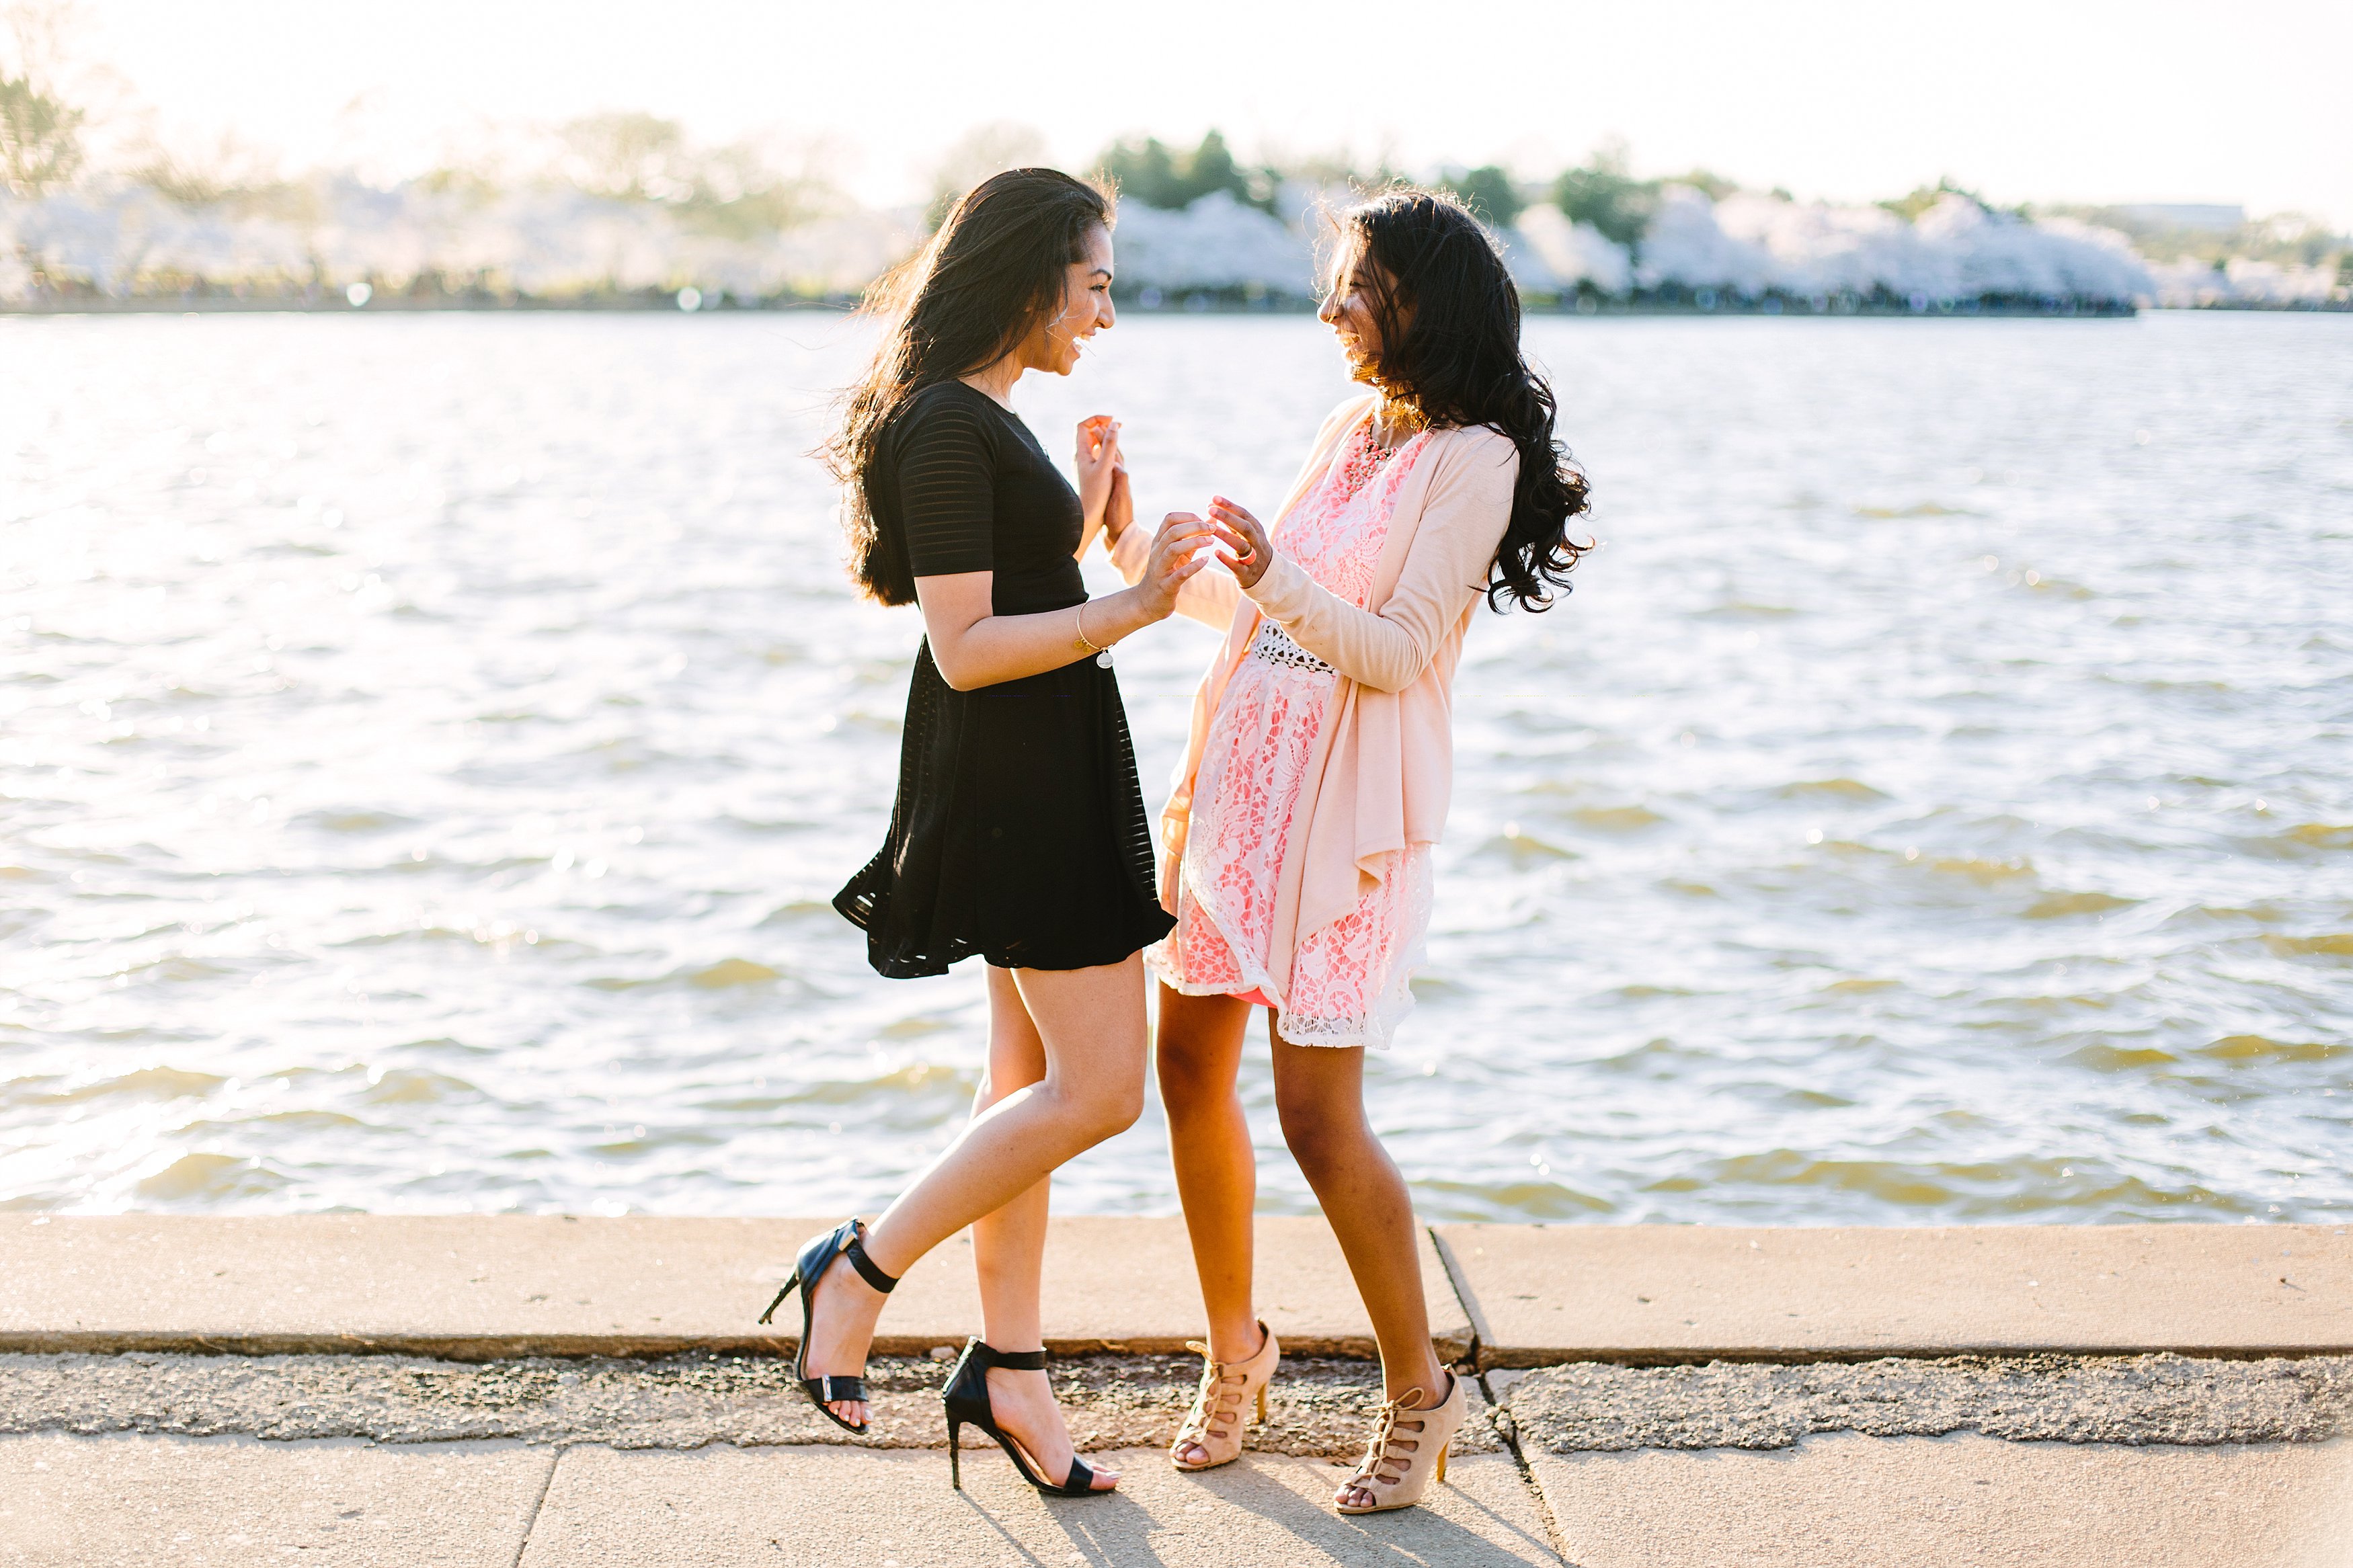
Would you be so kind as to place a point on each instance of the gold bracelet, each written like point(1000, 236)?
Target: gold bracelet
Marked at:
point(1078, 625)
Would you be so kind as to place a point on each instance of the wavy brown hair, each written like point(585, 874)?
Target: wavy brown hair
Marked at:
point(996, 268)
point(1450, 329)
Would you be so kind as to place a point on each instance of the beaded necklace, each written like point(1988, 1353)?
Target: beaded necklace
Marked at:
point(1364, 458)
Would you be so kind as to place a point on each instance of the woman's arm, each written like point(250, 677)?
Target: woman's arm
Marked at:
point(974, 647)
point(947, 466)
point(1463, 523)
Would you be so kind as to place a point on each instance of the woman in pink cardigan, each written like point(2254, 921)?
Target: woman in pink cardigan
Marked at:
point(1297, 847)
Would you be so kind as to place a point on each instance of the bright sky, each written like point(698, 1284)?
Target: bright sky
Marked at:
point(2025, 100)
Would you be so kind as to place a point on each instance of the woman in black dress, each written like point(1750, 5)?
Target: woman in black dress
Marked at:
point(1019, 835)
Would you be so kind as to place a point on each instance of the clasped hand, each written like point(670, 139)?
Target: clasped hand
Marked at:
point(1239, 541)
point(1176, 556)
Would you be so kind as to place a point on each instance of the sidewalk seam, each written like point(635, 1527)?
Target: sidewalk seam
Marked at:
point(531, 1521)
point(1463, 1297)
point(1509, 1430)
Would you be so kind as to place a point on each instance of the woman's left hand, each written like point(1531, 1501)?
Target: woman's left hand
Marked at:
point(1247, 551)
point(1097, 461)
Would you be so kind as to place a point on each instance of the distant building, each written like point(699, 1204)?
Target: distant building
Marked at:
point(2206, 217)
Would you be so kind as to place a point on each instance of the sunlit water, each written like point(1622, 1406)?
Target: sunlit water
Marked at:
point(430, 745)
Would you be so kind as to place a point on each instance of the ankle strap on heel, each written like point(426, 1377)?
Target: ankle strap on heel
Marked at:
point(867, 1268)
point(988, 1356)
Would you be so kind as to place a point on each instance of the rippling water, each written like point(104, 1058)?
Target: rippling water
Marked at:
point(430, 743)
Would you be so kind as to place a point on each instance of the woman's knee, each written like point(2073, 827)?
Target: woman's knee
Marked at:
point(1318, 1130)
point(1189, 1075)
point(1103, 1108)
point(1196, 1050)
point(1124, 1109)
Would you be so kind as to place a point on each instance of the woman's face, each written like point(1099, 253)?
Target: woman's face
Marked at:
point(1086, 310)
point(1348, 308)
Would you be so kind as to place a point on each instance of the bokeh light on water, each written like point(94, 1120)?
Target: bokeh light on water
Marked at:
point(429, 745)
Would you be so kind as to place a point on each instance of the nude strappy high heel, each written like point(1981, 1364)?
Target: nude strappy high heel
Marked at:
point(1406, 1455)
point(1215, 1423)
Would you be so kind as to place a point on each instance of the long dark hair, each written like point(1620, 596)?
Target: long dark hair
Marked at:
point(1450, 327)
point(996, 268)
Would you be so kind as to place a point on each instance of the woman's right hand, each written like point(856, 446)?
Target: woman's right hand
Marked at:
point(1176, 553)
point(1247, 549)
point(1119, 506)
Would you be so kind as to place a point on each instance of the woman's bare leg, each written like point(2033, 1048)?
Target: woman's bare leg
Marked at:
point(1198, 1047)
point(1008, 1251)
point(1008, 1246)
point(1089, 1024)
point(1319, 1091)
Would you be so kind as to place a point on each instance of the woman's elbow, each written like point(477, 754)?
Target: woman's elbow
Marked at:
point(954, 673)
point(1393, 672)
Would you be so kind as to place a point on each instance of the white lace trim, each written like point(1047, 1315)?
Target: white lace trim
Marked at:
point(1393, 918)
point(1406, 929)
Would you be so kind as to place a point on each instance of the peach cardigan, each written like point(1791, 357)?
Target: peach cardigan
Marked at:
point(1384, 762)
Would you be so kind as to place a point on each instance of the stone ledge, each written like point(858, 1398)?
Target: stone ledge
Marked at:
point(486, 1286)
point(481, 1287)
point(1538, 1295)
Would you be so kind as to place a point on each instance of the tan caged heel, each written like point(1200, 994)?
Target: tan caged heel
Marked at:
point(1405, 1455)
point(1215, 1422)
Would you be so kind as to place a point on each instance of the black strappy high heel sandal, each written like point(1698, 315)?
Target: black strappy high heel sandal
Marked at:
point(847, 1240)
point(966, 1398)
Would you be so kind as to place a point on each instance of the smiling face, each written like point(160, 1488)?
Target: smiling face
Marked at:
point(1053, 344)
point(1351, 308)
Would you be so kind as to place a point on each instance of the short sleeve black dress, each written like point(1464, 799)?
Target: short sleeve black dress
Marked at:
point(1018, 834)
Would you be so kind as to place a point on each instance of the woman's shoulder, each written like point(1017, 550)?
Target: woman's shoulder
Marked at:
point(944, 411)
point(950, 399)
point(1481, 440)
point(1473, 449)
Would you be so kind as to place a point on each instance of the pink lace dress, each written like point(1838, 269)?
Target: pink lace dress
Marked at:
point(1347, 985)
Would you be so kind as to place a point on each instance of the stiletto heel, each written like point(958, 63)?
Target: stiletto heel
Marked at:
point(1214, 1425)
point(955, 1466)
point(845, 1240)
point(966, 1399)
point(1405, 1455)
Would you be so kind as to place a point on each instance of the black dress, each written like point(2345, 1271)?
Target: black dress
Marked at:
point(1019, 834)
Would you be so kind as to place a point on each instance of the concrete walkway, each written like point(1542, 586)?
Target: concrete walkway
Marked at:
point(95, 1502)
point(1841, 1501)
point(127, 1436)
